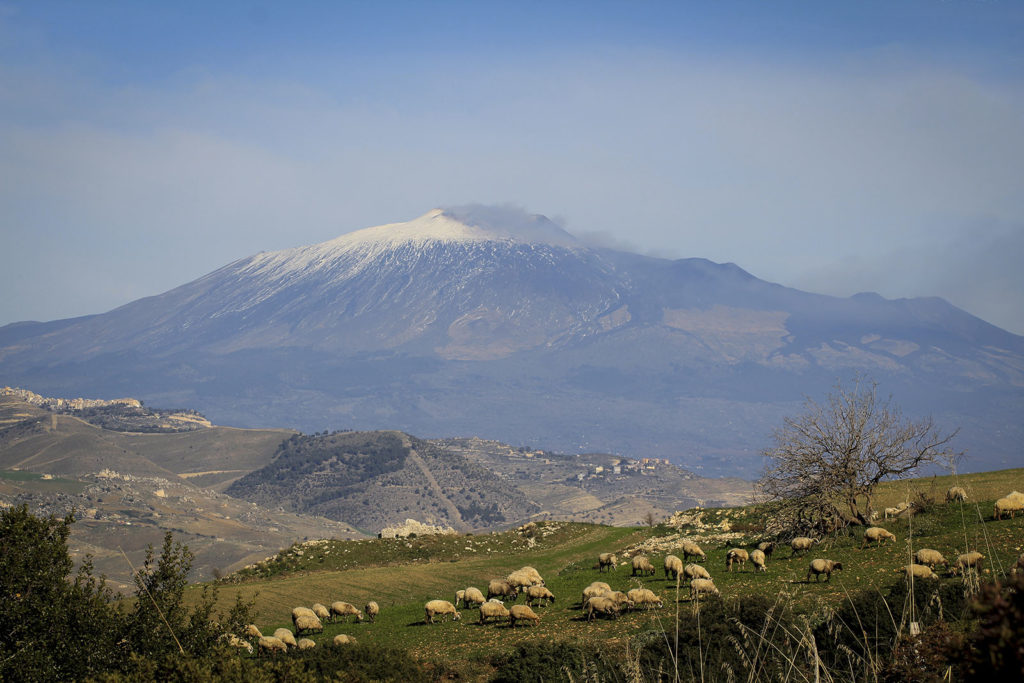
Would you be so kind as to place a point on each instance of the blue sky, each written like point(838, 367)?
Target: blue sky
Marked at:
point(835, 147)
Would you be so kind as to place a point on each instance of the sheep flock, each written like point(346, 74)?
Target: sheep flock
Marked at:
point(496, 599)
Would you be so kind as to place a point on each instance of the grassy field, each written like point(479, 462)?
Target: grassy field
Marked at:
point(401, 575)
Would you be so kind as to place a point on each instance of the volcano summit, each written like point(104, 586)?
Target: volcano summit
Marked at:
point(492, 322)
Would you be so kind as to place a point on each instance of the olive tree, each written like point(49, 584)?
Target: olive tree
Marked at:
point(826, 462)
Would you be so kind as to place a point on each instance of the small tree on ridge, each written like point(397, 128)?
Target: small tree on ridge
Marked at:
point(826, 462)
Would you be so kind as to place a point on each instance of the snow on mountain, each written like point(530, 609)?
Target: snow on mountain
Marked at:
point(494, 322)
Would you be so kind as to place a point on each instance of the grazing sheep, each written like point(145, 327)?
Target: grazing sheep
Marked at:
point(674, 566)
point(826, 567)
point(460, 597)
point(534, 575)
point(321, 612)
point(736, 556)
point(766, 547)
point(698, 586)
point(307, 622)
point(270, 644)
point(522, 613)
point(473, 596)
point(232, 640)
point(644, 598)
point(955, 493)
point(930, 557)
point(801, 544)
point(344, 609)
point(1016, 496)
point(918, 571)
point(691, 548)
point(601, 606)
point(891, 512)
point(306, 644)
point(876, 534)
point(541, 594)
point(300, 611)
point(372, 610)
point(439, 608)
point(503, 588)
point(757, 558)
point(342, 639)
point(492, 609)
point(1007, 505)
point(643, 565)
point(251, 631)
point(967, 560)
point(620, 598)
point(606, 560)
point(695, 571)
point(595, 589)
point(521, 580)
point(285, 636)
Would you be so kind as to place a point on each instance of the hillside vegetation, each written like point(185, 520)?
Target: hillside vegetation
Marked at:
point(402, 574)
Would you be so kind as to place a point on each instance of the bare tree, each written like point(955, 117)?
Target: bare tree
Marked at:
point(826, 462)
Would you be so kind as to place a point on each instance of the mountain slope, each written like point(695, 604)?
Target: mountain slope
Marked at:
point(495, 323)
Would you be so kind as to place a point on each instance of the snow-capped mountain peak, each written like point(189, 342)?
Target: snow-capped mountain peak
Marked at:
point(461, 224)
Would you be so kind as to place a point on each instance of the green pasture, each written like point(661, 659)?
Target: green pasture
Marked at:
point(401, 575)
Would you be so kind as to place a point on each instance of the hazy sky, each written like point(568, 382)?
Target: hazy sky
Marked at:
point(836, 147)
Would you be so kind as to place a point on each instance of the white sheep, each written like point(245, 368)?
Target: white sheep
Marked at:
point(643, 565)
point(232, 640)
point(1007, 505)
point(460, 597)
point(736, 556)
point(372, 610)
point(321, 612)
point(759, 561)
point(929, 557)
point(767, 547)
point(251, 631)
point(534, 575)
point(270, 644)
point(285, 636)
point(595, 589)
point(878, 535)
point(701, 586)
point(955, 493)
point(606, 560)
point(891, 512)
point(520, 580)
point(522, 613)
point(306, 644)
point(344, 609)
point(501, 587)
point(801, 544)
point(472, 596)
point(695, 571)
point(918, 571)
point(439, 608)
point(673, 566)
point(492, 610)
point(691, 548)
point(644, 598)
point(342, 639)
point(307, 623)
point(826, 567)
point(969, 560)
point(539, 594)
point(599, 605)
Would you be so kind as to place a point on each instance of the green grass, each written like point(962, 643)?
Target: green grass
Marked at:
point(401, 575)
point(35, 481)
